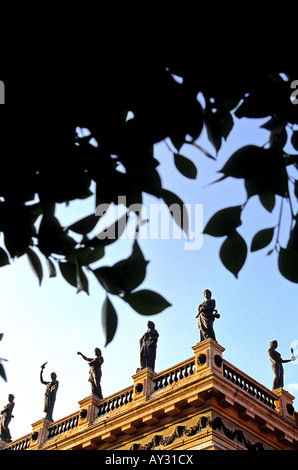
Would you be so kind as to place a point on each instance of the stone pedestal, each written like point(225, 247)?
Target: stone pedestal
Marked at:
point(39, 433)
point(143, 384)
point(208, 356)
point(284, 404)
point(88, 407)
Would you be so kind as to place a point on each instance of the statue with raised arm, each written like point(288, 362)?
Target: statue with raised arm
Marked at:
point(277, 365)
point(5, 418)
point(207, 314)
point(95, 372)
point(50, 394)
point(148, 345)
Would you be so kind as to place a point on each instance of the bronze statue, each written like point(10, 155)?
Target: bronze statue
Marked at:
point(50, 394)
point(207, 314)
point(95, 372)
point(5, 418)
point(148, 345)
point(277, 365)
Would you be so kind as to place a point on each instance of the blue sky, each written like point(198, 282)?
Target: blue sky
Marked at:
point(51, 323)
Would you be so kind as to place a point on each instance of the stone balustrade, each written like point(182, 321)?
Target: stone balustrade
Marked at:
point(189, 384)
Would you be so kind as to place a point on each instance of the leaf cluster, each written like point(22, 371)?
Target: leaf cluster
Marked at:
point(45, 162)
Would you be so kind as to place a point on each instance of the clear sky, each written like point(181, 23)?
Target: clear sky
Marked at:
point(51, 323)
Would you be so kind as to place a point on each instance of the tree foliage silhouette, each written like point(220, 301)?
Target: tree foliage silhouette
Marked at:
point(45, 162)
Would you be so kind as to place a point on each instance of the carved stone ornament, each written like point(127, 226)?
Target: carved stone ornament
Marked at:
point(138, 388)
point(83, 413)
point(218, 360)
point(201, 359)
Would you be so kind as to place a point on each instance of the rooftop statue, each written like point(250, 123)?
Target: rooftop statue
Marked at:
point(277, 365)
point(207, 314)
point(148, 345)
point(95, 372)
point(50, 394)
point(5, 418)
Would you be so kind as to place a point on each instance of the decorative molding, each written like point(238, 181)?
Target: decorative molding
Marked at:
point(204, 422)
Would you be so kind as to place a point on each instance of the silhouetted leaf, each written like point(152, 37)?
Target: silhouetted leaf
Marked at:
point(263, 169)
point(233, 253)
point(94, 255)
point(132, 270)
point(84, 225)
point(288, 264)
point(267, 199)
point(4, 260)
point(82, 283)
point(146, 302)
point(247, 162)
point(52, 269)
point(2, 372)
point(177, 209)
point(110, 279)
point(293, 240)
point(109, 320)
point(35, 264)
point(185, 166)
point(296, 188)
point(213, 129)
point(224, 222)
point(294, 140)
point(178, 141)
point(262, 239)
point(69, 272)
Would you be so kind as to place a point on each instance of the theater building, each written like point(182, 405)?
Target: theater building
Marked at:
point(203, 403)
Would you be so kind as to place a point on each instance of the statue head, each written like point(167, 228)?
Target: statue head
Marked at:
point(274, 344)
point(97, 352)
point(10, 398)
point(151, 325)
point(53, 376)
point(207, 293)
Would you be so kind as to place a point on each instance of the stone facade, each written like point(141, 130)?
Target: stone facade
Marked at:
point(203, 403)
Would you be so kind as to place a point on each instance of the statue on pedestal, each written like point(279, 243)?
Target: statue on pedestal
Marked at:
point(95, 372)
point(148, 345)
point(5, 418)
point(277, 365)
point(207, 314)
point(50, 394)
